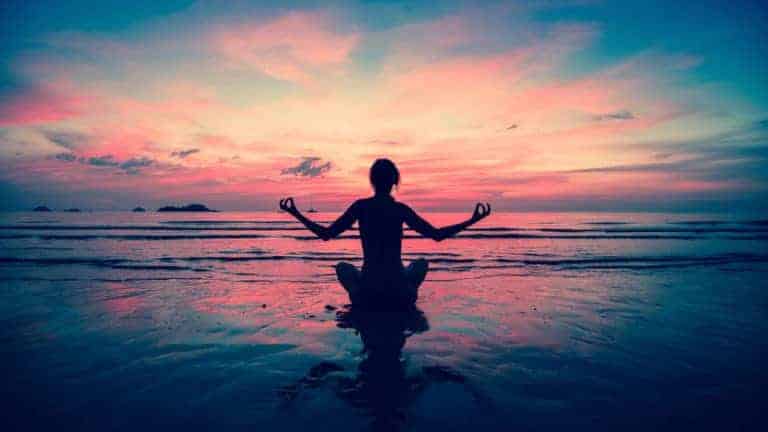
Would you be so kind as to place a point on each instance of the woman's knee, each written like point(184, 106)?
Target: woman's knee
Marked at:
point(417, 271)
point(344, 267)
point(419, 266)
point(347, 272)
point(348, 276)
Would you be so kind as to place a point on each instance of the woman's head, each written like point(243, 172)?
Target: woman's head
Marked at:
point(384, 175)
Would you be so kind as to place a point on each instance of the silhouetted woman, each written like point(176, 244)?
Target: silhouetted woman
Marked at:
point(383, 280)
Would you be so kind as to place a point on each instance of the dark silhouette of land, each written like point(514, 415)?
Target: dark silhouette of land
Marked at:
point(41, 209)
point(186, 208)
point(383, 280)
point(73, 210)
point(139, 210)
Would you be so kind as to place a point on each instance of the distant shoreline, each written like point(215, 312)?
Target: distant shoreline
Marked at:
point(187, 208)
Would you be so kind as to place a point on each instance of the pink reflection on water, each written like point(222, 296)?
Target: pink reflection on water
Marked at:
point(472, 305)
point(120, 301)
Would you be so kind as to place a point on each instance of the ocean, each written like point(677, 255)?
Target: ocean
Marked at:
point(527, 321)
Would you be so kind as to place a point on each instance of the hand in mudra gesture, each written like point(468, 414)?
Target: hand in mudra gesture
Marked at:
point(481, 211)
point(288, 205)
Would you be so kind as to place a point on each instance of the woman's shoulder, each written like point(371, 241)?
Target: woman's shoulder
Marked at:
point(378, 202)
point(401, 205)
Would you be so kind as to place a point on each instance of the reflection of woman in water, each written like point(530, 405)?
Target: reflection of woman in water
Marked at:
point(383, 279)
point(382, 387)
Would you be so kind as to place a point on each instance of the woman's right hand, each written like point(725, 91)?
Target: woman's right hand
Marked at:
point(481, 211)
point(287, 205)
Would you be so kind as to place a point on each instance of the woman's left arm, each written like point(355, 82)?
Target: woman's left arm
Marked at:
point(343, 223)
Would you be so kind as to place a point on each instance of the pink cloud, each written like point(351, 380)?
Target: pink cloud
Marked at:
point(471, 87)
point(431, 37)
point(122, 144)
point(40, 105)
point(442, 78)
point(502, 111)
point(290, 47)
point(587, 95)
point(484, 86)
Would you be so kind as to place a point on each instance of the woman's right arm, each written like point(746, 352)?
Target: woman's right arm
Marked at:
point(421, 226)
point(343, 223)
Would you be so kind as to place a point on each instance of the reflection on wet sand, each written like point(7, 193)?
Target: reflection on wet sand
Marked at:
point(382, 388)
point(199, 333)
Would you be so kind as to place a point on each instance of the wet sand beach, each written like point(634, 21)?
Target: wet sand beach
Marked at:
point(532, 321)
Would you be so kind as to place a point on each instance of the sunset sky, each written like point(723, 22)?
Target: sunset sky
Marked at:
point(543, 105)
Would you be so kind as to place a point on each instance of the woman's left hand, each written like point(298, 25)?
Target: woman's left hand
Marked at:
point(481, 211)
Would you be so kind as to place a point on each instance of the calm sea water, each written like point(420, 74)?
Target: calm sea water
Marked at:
point(119, 321)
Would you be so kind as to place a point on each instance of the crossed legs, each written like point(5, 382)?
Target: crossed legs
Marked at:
point(351, 279)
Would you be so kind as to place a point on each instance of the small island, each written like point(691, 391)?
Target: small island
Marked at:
point(186, 208)
point(72, 210)
point(41, 209)
point(139, 210)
